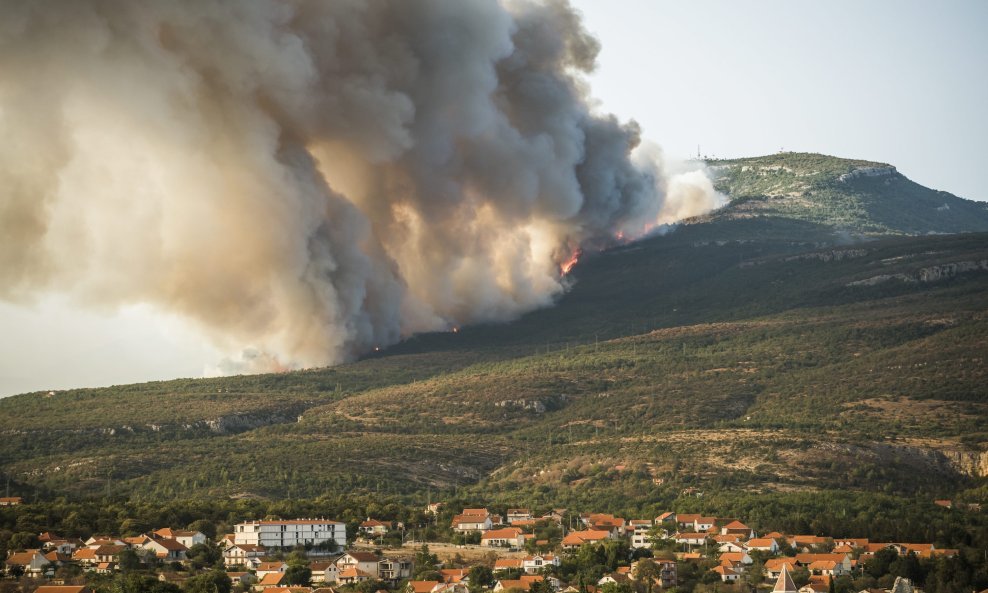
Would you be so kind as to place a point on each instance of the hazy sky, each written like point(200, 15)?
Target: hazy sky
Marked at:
point(895, 81)
point(898, 81)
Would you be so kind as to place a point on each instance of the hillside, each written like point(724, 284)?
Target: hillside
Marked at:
point(755, 351)
point(860, 197)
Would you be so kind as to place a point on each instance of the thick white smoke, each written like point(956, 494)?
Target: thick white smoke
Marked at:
point(306, 180)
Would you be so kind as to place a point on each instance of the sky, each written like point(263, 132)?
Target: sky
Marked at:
point(902, 82)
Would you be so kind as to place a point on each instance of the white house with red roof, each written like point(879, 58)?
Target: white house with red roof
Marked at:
point(575, 539)
point(508, 537)
point(186, 537)
point(539, 562)
point(471, 520)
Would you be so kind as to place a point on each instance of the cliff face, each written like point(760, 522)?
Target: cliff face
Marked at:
point(972, 463)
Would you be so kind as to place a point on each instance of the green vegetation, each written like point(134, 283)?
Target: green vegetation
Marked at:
point(800, 380)
point(853, 195)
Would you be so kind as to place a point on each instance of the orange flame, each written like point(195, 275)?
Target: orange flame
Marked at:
point(567, 265)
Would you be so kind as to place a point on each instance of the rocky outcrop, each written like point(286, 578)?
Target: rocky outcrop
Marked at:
point(868, 172)
point(927, 274)
point(934, 273)
point(832, 255)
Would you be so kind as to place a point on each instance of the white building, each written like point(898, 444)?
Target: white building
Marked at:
point(290, 533)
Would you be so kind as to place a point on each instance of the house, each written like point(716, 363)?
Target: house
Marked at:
point(85, 557)
point(556, 515)
point(509, 537)
point(776, 566)
point(10, 501)
point(291, 533)
point(823, 567)
point(615, 578)
point(265, 568)
point(640, 529)
point(323, 571)
point(729, 545)
point(736, 560)
point(702, 524)
point(137, 541)
point(806, 542)
point(841, 562)
point(686, 521)
point(169, 550)
point(57, 558)
point(604, 522)
point(690, 539)
point(575, 539)
point(737, 528)
point(103, 540)
point(373, 527)
point(394, 570)
point(433, 508)
point(506, 564)
point(352, 575)
point(851, 542)
point(471, 520)
point(453, 575)
point(763, 544)
point(726, 574)
point(62, 589)
point(271, 579)
point(366, 563)
point(63, 546)
point(514, 515)
point(524, 583)
point(539, 562)
point(245, 578)
point(185, 537)
point(242, 554)
point(421, 586)
point(32, 562)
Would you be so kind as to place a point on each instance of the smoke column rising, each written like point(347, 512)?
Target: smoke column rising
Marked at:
point(306, 180)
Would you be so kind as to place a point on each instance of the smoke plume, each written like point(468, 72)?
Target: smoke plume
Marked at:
point(307, 180)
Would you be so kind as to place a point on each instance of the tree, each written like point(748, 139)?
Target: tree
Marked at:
point(544, 586)
point(139, 583)
point(646, 572)
point(205, 555)
point(214, 581)
point(480, 576)
point(426, 564)
point(207, 528)
point(298, 574)
point(24, 541)
point(129, 561)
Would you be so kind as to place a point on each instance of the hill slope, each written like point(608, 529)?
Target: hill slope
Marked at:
point(857, 196)
point(752, 351)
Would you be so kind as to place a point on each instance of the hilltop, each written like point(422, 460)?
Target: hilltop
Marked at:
point(756, 350)
point(856, 196)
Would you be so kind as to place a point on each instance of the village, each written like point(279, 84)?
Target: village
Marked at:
point(517, 550)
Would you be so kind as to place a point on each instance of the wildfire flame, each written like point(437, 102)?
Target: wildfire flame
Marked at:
point(567, 265)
